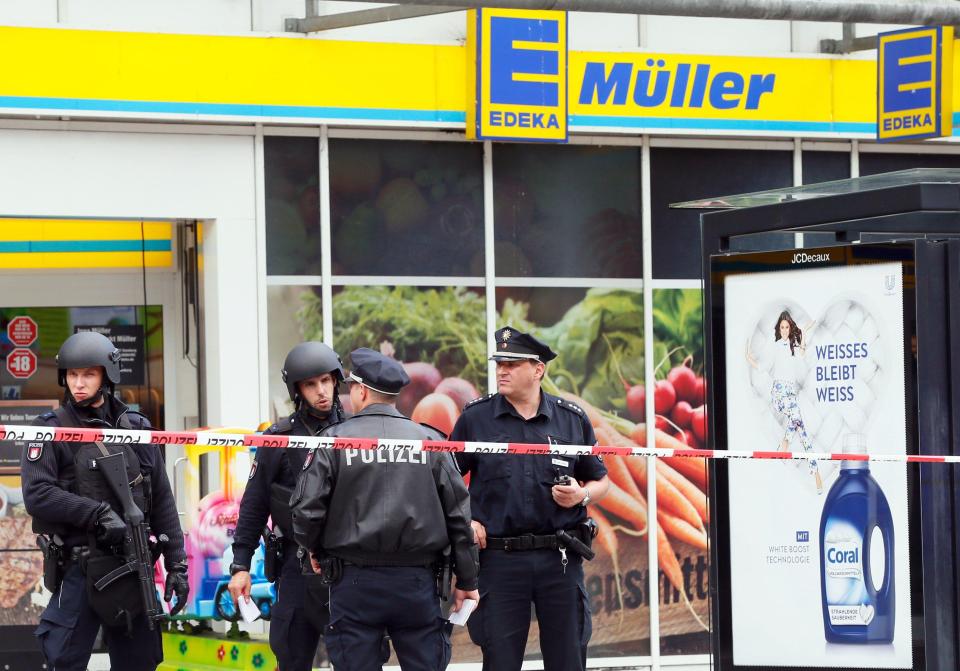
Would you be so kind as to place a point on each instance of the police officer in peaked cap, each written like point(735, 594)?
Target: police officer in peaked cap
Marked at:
point(520, 503)
point(312, 372)
point(79, 519)
point(377, 522)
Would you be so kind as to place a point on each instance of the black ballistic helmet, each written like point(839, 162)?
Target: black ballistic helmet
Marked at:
point(88, 349)
point(306, 360)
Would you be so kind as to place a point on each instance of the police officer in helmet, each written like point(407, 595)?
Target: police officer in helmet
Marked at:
point(376, 523)
point(312, 372)
point(80, 519)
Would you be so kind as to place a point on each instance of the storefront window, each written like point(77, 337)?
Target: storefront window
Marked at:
point(439, 333)
point(137, 331)
point(294, 312)
point(406, 208)
point(873, 163)
point(825, 166)
point(681, 420)
point(571, 211)
point(683, 174)
point(292, 177)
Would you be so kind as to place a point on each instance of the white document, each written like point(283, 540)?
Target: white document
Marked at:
point(249, 610)
point(459, 617)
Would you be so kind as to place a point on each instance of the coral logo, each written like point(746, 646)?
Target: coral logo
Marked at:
point(520, 75)
point(912, 66)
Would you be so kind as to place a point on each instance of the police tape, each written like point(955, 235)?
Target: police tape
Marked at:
point(259, 440)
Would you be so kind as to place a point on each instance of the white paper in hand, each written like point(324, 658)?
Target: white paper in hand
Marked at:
point(460, 616)
point(249, 610)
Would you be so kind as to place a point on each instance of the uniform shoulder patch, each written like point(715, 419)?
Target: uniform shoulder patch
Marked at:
point(476, 401)
point(572, 407)
point(281, 426)
point(34, 451)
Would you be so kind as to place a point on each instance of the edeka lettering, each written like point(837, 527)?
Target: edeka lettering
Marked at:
point(680, 85)
point(523, 120)
point(921, 121)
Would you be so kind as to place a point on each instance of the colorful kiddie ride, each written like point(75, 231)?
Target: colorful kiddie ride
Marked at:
point(209, 524)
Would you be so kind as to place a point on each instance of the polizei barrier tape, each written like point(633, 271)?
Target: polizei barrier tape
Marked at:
point(211, 438)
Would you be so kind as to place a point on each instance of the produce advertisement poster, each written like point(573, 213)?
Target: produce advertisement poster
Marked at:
point(440, 336)
point(819, 560)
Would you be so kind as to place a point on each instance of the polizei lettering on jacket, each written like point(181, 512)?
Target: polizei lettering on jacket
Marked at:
point(386, 455)
point(680, 85)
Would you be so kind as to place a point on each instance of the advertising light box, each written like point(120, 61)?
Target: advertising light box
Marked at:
point(814, 348)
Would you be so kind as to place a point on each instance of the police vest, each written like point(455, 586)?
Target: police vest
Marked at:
point(90, 483)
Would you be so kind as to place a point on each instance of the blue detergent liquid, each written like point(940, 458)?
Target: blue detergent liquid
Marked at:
point(856, 609)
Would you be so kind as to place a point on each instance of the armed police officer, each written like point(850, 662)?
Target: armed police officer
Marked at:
point(312, 372)
point(68, 492)
point(376, 523)
point(529, 512)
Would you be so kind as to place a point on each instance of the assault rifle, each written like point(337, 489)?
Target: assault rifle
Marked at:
point(136, 544)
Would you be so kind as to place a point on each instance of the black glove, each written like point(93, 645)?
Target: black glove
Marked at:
point(110, 527)
point(177, 584)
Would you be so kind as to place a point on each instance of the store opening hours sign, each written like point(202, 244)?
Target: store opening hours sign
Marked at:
point(22, 331)
point(21, 363)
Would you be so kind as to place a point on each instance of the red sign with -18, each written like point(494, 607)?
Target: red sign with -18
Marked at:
point(21, 363)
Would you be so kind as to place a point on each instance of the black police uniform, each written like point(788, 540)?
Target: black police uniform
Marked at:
point(387, 515)
point(511, 496)
point(294, 634)
point(50, 478)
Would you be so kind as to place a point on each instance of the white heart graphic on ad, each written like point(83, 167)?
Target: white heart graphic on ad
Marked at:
point(866, 613)
point(812, 397)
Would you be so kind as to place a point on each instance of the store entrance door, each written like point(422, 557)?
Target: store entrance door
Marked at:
point(135, 282)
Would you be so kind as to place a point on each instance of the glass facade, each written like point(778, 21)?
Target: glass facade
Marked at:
point(408, 276)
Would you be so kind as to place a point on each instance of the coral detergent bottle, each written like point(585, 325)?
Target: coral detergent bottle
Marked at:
point(857, 593)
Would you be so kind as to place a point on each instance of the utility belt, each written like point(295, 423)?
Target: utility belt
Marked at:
point(57, 558)
point(331, 567)
point(278, 541)
point(277, 548)
point(578, 540)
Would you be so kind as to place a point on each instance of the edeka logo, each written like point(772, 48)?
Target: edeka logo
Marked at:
point(520, 75)
point(912, 65)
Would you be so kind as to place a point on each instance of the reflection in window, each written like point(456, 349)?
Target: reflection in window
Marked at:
point(685, 174)
point(292, 178)
point(872, 164)
point(406, 208)
point(825, 166)
point(567, 211)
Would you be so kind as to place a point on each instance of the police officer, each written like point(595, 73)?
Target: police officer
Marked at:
point(519, 503)
point(377, 521)
point(70, 500)
point(312, 372)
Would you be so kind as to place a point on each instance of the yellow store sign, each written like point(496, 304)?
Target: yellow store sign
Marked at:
point(515, 81)
point(519, 76)
point(914, 83)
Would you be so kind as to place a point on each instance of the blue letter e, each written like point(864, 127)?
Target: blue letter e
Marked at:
point(505, 61)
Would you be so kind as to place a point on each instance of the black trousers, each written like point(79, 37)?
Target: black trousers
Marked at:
point(293, 638)
point(509, 582)
point(400, 601)
point(68, 629)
